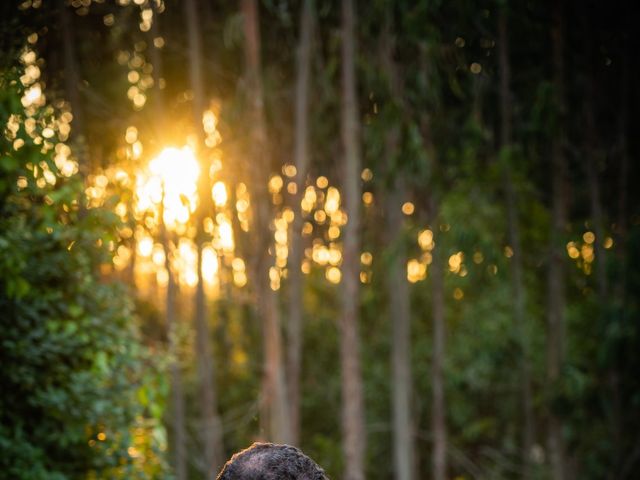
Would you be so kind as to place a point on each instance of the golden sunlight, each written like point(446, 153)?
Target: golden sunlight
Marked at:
point(219, 194)
point(174, 176)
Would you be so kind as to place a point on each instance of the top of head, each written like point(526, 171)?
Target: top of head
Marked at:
point(270, 461)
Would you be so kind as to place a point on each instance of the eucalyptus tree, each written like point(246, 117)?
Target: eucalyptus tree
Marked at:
point(397, 284)
point(354, 432)
point(557, 268)
point(301, 162)
point(513, 231)
point(72, 82)
point(212, 426)
point(274, 411)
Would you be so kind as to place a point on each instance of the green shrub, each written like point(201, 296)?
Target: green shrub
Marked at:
point(79, 390)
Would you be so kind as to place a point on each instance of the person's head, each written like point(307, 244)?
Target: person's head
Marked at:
point(269, 461)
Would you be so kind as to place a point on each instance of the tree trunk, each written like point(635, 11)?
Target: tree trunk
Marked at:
point(620, 288)
point(438, 413)
point(623, 179)
point(591, 151)
point(556, 283)
point(274, 411)
point(177, 392)
point(301, 159)
point(354, 435)
point(591, 154)
point(397, 286)
point(211, 425)
point(400, 318)
point(72, 89)
point(519, 292)
point(438, 427)
point(158, 68)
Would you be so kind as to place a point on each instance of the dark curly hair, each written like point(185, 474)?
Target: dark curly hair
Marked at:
point(269, 461)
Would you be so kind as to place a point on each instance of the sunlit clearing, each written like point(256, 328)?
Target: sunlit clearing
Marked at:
point(145, 246)
point(209, 265)
point(416, 271)
point(275, 184)
point(408, 208)
point(367, 175)
point(174, 175)
point(187, 262)
point(219, 194)
point(289, 170)
point(239, 274)
point(274, 277)
point(425, 239)
point(224, 239)
point(332, 203)
point(572, 250)
point(322, 182)
point(177, 168)
point(455, 262)
point(333, 274)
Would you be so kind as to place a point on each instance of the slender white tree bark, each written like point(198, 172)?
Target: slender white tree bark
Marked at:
point(354, 434)
point(397, 284)
point(556, 283)
point(517, 269)
point(211, 428)
point(274, 402)
point(301, 160)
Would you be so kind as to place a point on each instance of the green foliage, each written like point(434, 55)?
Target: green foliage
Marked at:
point(78, 389)
point(72, 361)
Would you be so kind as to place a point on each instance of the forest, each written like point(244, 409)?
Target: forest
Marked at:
point(401, 235)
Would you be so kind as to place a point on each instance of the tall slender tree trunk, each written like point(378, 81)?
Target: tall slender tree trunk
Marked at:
point(438, 412)
point(620, 288)
point(591, 153)
point(354, 434)
point(438, 418)
point(72, 88)
point(274, 411)
point(301, 159)
point(158, 69)
point(519, 291)
point(591, 150)
point(397, 285)
point(556, 283)
point(177, 391)
point(623, 179)
point(211, 425)
point(400, 318)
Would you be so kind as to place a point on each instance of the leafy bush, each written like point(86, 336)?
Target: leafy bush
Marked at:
point(76, 382)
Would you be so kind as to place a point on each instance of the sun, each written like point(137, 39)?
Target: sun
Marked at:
point(171, 179)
